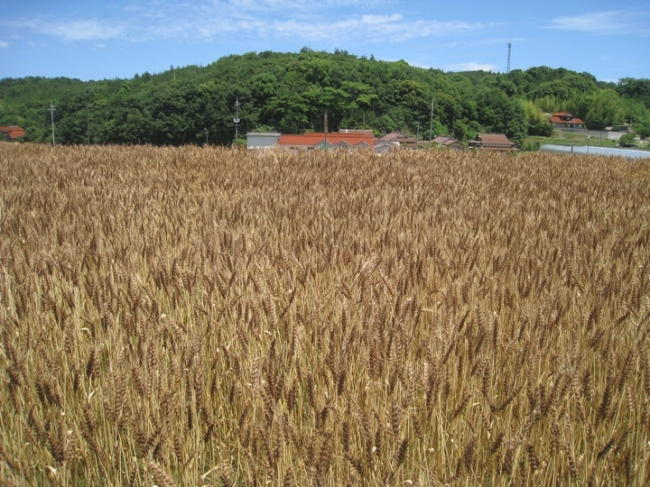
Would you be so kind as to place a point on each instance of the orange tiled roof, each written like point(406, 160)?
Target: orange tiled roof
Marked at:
point(314, 138)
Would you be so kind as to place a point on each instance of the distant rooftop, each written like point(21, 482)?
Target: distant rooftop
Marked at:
point(311, 139)
point(13, 131)
point(492, 142)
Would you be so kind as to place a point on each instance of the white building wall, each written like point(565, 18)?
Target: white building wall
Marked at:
point(262, 140)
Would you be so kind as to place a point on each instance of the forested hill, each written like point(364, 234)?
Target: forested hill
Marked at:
point(288, 92)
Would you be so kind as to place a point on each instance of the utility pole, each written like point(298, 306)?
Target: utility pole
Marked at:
point(51, 110)
point(206, 136)
point(325, 128)
point(431, 122)
point(88, 106)
point(417, 135)
point(236, 119)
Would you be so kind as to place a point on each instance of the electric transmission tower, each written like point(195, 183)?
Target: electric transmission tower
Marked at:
point(509, 52)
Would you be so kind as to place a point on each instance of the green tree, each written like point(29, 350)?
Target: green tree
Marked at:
point(538, 123)
point(636, 89)
point(556, 88)
point(462, 131)
point(289, 113)
point(605, 109)
point(643, 129)
point(627, 140)
point(289, 91)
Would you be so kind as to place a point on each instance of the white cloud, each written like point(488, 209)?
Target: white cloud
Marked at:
point(605, 23)
point(76, 30)
point(284, 5)
point(329, 20)
point(471, 66)
point(371, 28)
point(380, 19)
point(84, 30)
point(3, 44)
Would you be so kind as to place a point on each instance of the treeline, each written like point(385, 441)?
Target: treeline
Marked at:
point(289, 92)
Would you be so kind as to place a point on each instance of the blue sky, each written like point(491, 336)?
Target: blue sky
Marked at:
point(97, 40)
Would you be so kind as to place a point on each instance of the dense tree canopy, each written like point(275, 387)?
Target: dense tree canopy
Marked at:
point(289, 92)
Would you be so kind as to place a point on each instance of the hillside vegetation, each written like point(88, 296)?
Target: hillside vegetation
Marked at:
point(289, 92)
point(203, 316)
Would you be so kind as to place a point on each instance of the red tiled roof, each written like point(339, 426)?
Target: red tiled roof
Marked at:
point(13, 131)
point(314, 138)
point(557, 118)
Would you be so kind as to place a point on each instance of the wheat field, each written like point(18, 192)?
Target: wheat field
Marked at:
point(211, 317)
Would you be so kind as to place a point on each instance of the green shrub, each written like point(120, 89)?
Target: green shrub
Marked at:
point(627, 140)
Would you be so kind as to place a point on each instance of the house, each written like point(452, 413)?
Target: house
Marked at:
point(404, 141)
point(262, 140)
point(382, 146)
point(492, 142)
point(331, 140)
point(448, 142)
point(566, 120)
point(12, 131)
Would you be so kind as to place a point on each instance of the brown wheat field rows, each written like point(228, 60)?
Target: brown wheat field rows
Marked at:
point(199, 316)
